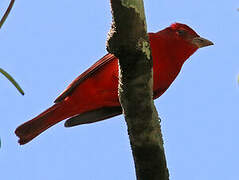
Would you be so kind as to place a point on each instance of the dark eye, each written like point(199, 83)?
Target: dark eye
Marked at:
point(181, 32)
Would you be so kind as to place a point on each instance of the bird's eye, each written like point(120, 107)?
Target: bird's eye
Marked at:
point(181, 32)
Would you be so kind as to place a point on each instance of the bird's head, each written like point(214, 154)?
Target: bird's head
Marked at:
point(180, 41)
point(185, 33)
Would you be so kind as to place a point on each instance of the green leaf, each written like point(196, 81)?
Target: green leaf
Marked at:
point(10, 78)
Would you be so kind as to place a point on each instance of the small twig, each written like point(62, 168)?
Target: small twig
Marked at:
point(10, 78)
point(6, 13)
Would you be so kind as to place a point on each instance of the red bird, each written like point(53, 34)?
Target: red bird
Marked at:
point(93, 96)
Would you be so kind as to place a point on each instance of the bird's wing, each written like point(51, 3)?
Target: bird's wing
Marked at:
point(89, 72)
point(94, 116)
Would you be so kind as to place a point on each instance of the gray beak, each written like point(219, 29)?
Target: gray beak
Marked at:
point(201, 42)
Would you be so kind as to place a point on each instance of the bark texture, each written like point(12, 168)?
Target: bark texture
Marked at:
point(128, 41)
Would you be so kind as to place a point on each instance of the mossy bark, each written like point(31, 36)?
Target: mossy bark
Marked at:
point(128, 41)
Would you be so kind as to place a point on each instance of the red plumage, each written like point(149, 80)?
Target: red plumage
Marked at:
point(93, 96)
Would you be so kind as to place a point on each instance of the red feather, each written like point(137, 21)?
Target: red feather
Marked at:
point(93, 96)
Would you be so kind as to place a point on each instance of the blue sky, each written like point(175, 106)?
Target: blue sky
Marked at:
point(46, 44)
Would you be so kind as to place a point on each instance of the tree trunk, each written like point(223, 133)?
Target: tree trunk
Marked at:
point(128, 41)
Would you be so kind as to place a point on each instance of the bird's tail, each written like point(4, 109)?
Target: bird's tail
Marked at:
point(30, 129)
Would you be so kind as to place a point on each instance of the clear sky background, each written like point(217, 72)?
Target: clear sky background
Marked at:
point(46, 44)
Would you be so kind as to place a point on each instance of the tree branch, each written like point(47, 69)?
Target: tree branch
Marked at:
point(128, 41)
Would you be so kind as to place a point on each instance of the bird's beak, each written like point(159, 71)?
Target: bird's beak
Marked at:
point(201, 42)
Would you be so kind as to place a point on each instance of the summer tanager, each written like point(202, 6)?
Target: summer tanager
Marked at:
point(93, 96)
